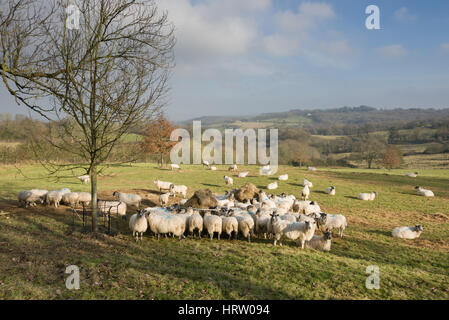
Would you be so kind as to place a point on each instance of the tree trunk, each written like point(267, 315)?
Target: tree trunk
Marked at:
point(93, 179)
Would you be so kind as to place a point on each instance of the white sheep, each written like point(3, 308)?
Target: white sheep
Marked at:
point(174, 166)
point(246, 223)
point(63, 191)
point(424, 192)
point(213, 168)
point(206, 163)
point(27, 198)
point(367, 196)
point(232, 167)
point(112, 207)
point(262, 222)
point(407, 232)
point(70, 199)
point(330, 191)
point(283, 177)
point(412, 174)
point(40, 192)
point(328, 222)
point(311, 168)
point(196, 223)
point(287, 217)
point(138, 224)
point(230, 225)
point(212, 224)
point(84, 198)
point(162, 185)
point(322, 243)
point(129, 199)
point(243, 174)
point(164, 199)
point(181, 189)
point(53, 197)
point(302, 231)
point(305, 193)
point(84, 179)
point(272, 186)
point(312, 208)
point(307, 183)
point(228, 180)
point(265, 170)
point(161, 222)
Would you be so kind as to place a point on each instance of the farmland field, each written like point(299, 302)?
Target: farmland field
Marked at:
point(37, 244)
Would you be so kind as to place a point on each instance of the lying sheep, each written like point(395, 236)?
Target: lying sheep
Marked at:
point(70, 199)
point(230, 225)
point(407, 232)
point(322, 243)
point(302, 231)
point(272, 186)
point(283, 177)
point(175, 166)
point(328, 222)
point(213, 168)
point(232, 167)
point(112, 207)
point(181, 189)
point(412, 174)
point(311, 168)
point(84, 179)
point(424, 192)
point(246, 224)
point(196, 223)
point(265, 170)
point(53, 197)
point(162, 185)
point(367, 196)
point(138, 224)
point(212, 224)
point(243, 174)
point(129, 199)
point(305, 193)
point(330, 191)
point(228, 180)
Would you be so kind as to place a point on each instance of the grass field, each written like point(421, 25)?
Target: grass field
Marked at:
point(36, 244)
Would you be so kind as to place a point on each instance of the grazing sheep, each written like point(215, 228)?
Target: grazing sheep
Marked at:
point(302, 231)
point(272, 186)
point(213, 168)
point(196, 223)
point(212, 224)
point(84, 179)
point(112, 207)
point(181, 189)
point(412, 174)
point(28, 198)
point(174, 166)
point(322, 243)
point(71, 199)
point(424, 192)
point(230, 225)
point(161, 222)
point(53, 197)
point(138, 224)
point(84, 198)
point(262, 221)
point(407, 232)
point(228, 180)
point(40, 193)
point(246, 223)
point(328, 222)
point(129, 199)
point(162, 185)
point(206, 163)
point(232, 167)
point(164, 199)
point(367, 196)
point(283, 177)
point(307, 183)
point(243, 174)
point(305, 193)
point(330, 191)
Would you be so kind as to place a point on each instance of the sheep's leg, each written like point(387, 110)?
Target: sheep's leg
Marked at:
point(302, 244)
point(249, 237)
point(199, 233)
point(230, 235)
point(158, 236)
point(219, 236)
point(211, 235)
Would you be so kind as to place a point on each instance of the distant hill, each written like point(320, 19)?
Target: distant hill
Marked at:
point(320, 118)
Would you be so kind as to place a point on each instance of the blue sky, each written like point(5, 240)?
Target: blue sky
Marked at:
point(252, 56)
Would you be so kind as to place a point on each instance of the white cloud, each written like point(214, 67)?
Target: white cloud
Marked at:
point(445, 47)
point(393, 51)
point(403, 15)
point(279, 45)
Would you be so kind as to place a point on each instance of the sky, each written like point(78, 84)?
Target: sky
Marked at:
point(246, 57)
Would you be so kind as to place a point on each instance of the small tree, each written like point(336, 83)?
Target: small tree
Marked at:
point(392, 157)
point(156, 138)
point(369, 149)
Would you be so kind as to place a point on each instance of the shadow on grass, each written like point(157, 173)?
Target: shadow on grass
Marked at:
point(210, 185)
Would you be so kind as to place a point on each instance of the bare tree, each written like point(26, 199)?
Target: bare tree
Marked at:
point(101, 79)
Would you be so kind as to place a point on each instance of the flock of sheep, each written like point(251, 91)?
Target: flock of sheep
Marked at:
point(265, 215)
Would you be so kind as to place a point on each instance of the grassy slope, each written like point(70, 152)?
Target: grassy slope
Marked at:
point(37, 244)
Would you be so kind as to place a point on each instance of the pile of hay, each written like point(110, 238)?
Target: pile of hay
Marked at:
point(248, 191)
point(202, 199)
